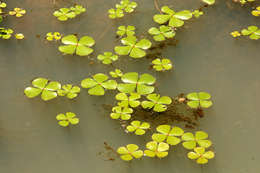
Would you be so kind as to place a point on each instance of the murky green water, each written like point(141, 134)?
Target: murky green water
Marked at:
point(206, 59)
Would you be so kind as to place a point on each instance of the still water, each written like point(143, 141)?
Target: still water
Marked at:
point(206, 58)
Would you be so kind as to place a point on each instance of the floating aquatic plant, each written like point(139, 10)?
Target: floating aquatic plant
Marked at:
point(131, 100)
point(168, 133)
point(197, 13)
point(161, 33)
point(81, 47)
point(6, 33)
point(115, 13)
point(133, 48)
point(201, 156)
point(53, 36)
point(18, 12)
point(43, 86)
point(157, 102)
point(124, 113)
point(115, 74)
point(98, 84)
point(132, 81)
point(138, 127)
point(63, 14)
point(69, 91)
point(159, 150)
point(175, 19)
point(127, 5)
point(129, 152)
point(19, 36)
point(252, 31)
point(125, 30)
point(235, 34)
point(162, 64)
point(67, 119)
point(107, 58)
point(191, 141)
point(256, 12)
point(209, 2)
point(201, 99)
point(3, 4)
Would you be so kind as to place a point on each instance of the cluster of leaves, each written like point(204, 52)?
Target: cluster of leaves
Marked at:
point(124, 6)
point(167, 136)
point(162, 64)
point(17, 12)
point(107, 58)
point(67, 119)
point(47, 89)
point(74, 46)
point(50, 89)
point(125, 30)
point(174, 19)
point(199, 100)
point(243, 2)
point(98, 83)
point(64, 14)
point(161, 33)
point(117, 73)
point(2, 5)
point(252, 31)
point(6, 33)
point(156, 102)
point(53, 36)
point(197, 13)
point(132, 47)
point(256, 12)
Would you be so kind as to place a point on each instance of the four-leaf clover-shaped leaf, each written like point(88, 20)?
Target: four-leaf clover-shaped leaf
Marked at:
point(50, 36)
point(117, 73)
point(157, 102)
point(18, 12)
point(156, 149)
point(69, 118)
point(191, 140)
point(161, 33)
point(200, 99)
point(133, 48)
point(64, 14)
point(162, 64)
point(129, 152)
point(252, 31)
point(98, 84)
point(107, 58)
point(72, 45)
point(124, 113)
point(169, 134)
point(127, 5)
point(134, 82)
point(115, 13)
point(78, 9)
point(201, 156)
point(125, 30)
point(138, 127)
point(131, 100)
point(6, 33)
point(69, 91)
point(174, 19)
point(44, 87)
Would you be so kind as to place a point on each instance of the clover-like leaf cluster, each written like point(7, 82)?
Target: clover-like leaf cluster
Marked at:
point(156, 102)
point(107, 57)
point(53, 36)
point(125, 30)
point(162, 64)
point(69, 91)
point(124, 6)
point(63, 14)
point(161, 33)
point(65, 120)
point(17, 12)
point(6, 33)
point(129, 152)
point(79, 47)
point(199, 100)
point(98, 84)
point(138, 127)
point(133, 47)
point(174, 19)
point(116, 74)
point(252, 31)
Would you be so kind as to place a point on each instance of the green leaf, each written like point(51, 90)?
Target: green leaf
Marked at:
point(209, 2)
point(122, 50)
point(189, 145)
point(74, 121)
point(97, 90)
point(161, 18)
point(201, 135)
point(31, 92)
point(193, 155)
point(86, 41)
point(70, 40)
point(40, 82)
point(68, 49)
point(144, 44)
point(131, 77)
point(205, 103)
point(63, 123)
point(83, 50)
point(183, 15)
point(53, 86)
point(110, 84)
point(126, 88)
point(61, 117)
point(88, 83)
point(48, 95)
